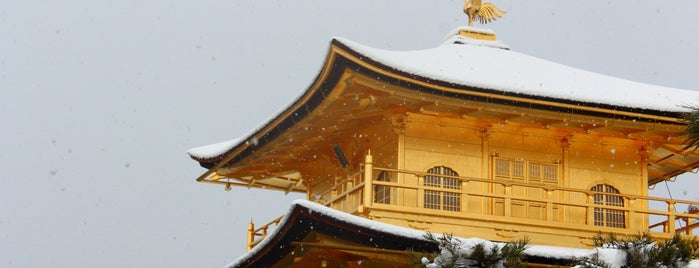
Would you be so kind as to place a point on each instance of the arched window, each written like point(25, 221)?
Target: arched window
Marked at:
point(439, 199)
point(605, 216)
point(382, 193)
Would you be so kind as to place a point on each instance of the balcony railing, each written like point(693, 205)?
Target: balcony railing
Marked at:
point(550, 207)
point(255, 236)
point(552, 201)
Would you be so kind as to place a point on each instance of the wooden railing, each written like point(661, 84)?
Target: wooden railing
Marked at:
point(689, 223)
point(553, 199)
point(349, 195)
point(255, 236)
point(556, 204)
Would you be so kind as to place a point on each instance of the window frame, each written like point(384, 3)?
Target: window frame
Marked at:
point(444, 177)
point(526, 171)
point(607, 217)
point(382, 193)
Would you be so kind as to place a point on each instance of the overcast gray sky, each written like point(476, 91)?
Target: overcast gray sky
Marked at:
point(99, 101)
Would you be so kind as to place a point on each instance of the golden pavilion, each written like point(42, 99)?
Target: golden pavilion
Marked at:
point(468, 138)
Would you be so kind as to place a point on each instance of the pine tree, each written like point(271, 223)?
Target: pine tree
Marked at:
point(692, 129)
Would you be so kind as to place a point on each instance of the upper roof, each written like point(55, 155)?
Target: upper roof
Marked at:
point(469, 70)
point(490, 66)
point(486, 65)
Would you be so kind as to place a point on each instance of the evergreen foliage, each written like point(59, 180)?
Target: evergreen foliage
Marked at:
point(643, 251)
point(592, 262)
point(692, 129)
point(454, 254)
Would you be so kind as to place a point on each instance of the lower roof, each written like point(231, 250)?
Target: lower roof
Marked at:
point(306, 218)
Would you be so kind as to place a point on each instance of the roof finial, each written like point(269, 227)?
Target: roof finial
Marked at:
point(482, 13)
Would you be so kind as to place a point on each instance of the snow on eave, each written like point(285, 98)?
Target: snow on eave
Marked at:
point(212, 150)
point(611, 256)
point(333, 214)
point(513, 73)
point(315, 208)
point(215, 152)
point(359, 221)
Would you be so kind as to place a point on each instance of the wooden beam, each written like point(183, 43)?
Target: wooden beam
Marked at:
point(677, 149)
point(246, 185)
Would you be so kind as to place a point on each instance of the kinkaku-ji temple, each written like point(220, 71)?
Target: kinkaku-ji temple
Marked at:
point(469, 138)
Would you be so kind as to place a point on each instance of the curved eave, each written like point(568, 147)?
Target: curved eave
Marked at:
point(305, 217)
point(346, 233)
point(299, 109)
point(342, 57)
point(439, 87)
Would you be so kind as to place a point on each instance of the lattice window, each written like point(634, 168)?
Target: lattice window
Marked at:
point(526, 171)
point(605, 216)
point(382, 193)
point(439, 199)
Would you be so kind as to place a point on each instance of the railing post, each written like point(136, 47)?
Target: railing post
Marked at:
point(464, 196)
point(508, 200)
point(590, 209)
point(671, 217)
point(251, 235)
point(691, 210)
point(420, 191)
point(549, 205)
point(632, 223)
point(368, 187)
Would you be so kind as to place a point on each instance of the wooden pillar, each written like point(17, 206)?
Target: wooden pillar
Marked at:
point(565, 177)
point(368, 177)
point(643, 155)
point(399, 193)
point(486, 203)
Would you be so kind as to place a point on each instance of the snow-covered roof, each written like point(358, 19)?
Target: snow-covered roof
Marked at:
point(483, 64)
point(374, 232)
point(611, 256)
point(208, 151)
point(465, 66)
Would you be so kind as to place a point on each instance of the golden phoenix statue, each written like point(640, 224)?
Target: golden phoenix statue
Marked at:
point(481, 12)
